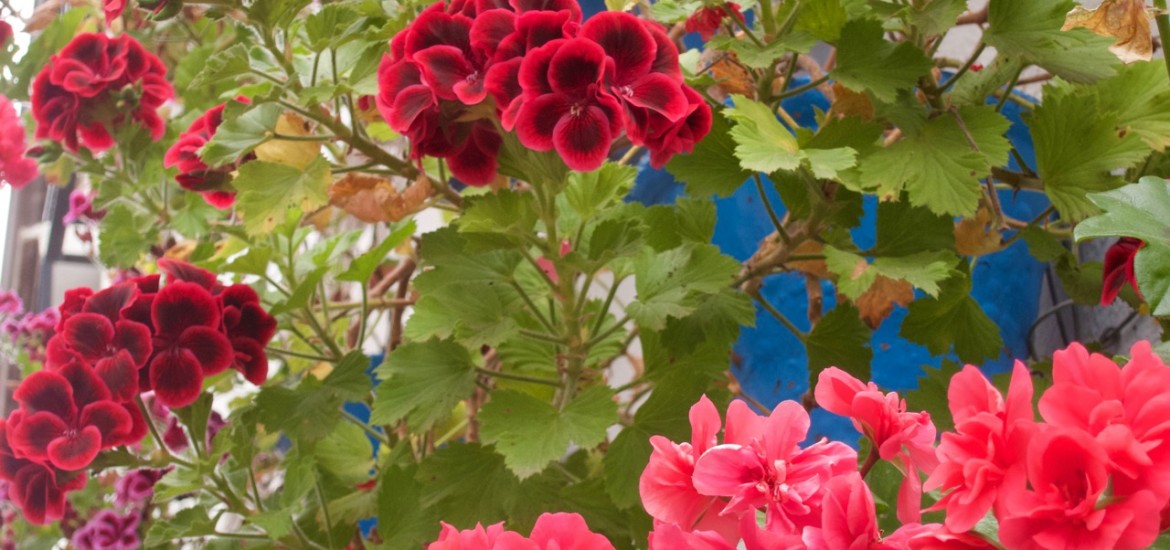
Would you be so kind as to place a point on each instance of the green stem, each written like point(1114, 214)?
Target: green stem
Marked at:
point(300, 355)
point(613, 288)
point(802, 89)
point(602, 336)
point(799, 334)
point(519, 377)
point(325, 511)
point(1008, 91)
point(287, 137)
point(967, 66)
point(767, 17)
point(1163, 22)
point(365, 427)
point(542, 337)
point(540, 316)
point(783, 233)
point(158, 440)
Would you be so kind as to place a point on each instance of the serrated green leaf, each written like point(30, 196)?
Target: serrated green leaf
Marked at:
point(840, 339)
point(955, 320)
point(712, 168)
point(322, 28)
point(590, 192)
point(465, 484)
point(422, 381)
point(671, 11)
point(940, 167)
point(189, 522)
point(1077, 149)
point(904, 229)
point(277, 523)
point(1152, 268)
point(348, 379)
point(238, 135)
point(1140, 210)
point(530, 433)
point(666, 279)
point(762, 143)
point(268, 191)
point(1032, 30)
point(1043, 245)
point(624, 462)
point(402, 523)
point(194, 417)
point(125, 236)
point(866, 61)
point(924, 270)
point(362, 268)
point(223, 65)
point(1137, 97)
point(346, 453)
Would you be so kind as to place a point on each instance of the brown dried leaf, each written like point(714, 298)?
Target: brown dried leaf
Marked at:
point(816, 268)
point(878, 302)
point(731, 75)
point(850, 103)
point(290, 153)
point(977, 236)
point(181, 251)
point(1127, 21)
point(374, 199)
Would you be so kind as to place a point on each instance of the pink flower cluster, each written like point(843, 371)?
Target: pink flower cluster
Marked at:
point(110, 346)
point(551, 532)
point(464, 68)
point(15, 169)
point(1094, 473)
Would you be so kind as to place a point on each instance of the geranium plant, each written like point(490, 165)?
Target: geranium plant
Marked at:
point(375, 281)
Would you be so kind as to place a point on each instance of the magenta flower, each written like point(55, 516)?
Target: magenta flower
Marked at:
point(136, 486)
point(10, 303)
point(108, 530)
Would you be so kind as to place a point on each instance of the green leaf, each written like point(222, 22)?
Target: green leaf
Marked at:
point(1043, 245)
point(237, 136)
point(955, 320)
point(276, 13)
point(402, 522)
point(1140, 210)
point(1137, 98)
point(422, 381)
point(1032, 29)
point(670, 11)
point(189, 522)
point(465, 483)
point(530, 433)
point(348, 378)
point(1152, 269)
point(823, 20)
point(935, 17)
point(588, 193)
point(223, 65)
point(346, 453)
point(323, 27)
point(498, 220)
point(940, 166)
point(267, 191)
point(362, 268)
point(866, 61)
point(125, 236)
point(194, 417)
point(1077, 149)
point(762, 143)
point(666, 280)
point(712, 168)
point(931, 394)
point(624, 462)
point(300, 476)
point(903, 229)
point(840, 339)
point(277, 523)
point(924, 270)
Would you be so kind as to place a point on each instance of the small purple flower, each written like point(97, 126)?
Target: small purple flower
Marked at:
point(176, 439)
point(81, 206)
point(108, 530)
point(10, 303)
point(136, 486)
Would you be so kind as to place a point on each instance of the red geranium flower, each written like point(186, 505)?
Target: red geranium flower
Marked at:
point(638, 73)
point(187, 343)
point(707, 20)
point(194, 174)
point(15, 168)
point(5, 33)
point(664, 138)
point(68, 417)
point(1119, 268)
point(96, 84)
point(39, 493)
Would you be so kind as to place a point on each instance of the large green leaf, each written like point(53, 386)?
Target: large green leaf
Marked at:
point(712, 168)
point(268, 191)
point(238, 135)
point(422, 381)
point(1140, 210)
point(1152, 269)
point(840, 339)
point(953, 319)
point(1032, 29)
point(530, 433)
point(866, 61)
point(466, 483)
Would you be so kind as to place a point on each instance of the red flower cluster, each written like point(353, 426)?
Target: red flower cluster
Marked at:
point(561, 85)
point(706, 21)
point(15, 169)
point(95, 85)
point(194, 174)
point(111, 346)
point(1119, 268)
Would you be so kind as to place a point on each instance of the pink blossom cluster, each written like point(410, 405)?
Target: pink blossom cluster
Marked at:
point(561, 531)
point(466, 69)
point(1092, 472)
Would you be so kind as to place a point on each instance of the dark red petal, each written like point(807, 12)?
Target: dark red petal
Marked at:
point(181, 305)
point(134, 338)
point(89, 334)
point(111, 420)
point(541, 27)
point(87, 385)
point(58, 353)
point(626, 40)
point(183, 271)
point(112, 302)
point(444, 67)
point(32, 436)
point(210, 347)
point(434, 28)
point(548, 5)
point(401, 105)
point(490, 27)
point(176, 377)
point(476, 164)
point(74, 302)
point(583, 140)
point(658, 93)
point(257, 324)
point(120, 374)
point(534, 69)
point(138, 427)
point(576, 68)
point(665, 53)
point(1118, 268)
point(250, 360)
point(46, 391)
point(77, 451)
point(538, 118)
point(502, 82)
point(239, 295)
point(35, 491)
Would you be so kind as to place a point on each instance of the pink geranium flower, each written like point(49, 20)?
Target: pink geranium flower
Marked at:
point(763, 467)
point(491, 538)
point(903, 438)
point(1066, 503)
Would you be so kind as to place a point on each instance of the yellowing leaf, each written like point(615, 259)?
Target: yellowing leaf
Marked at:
point(374, 199)
point(876, 303)
point(976, 236)
point(290, 153)
point(1127, 21)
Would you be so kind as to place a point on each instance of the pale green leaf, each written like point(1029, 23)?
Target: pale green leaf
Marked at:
point(268, 191)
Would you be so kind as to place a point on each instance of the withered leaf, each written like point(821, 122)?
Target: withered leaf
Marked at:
point(375, 199)
point(1127, 21)
point(876, 303)
point(977, 236)
point(290, 153)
